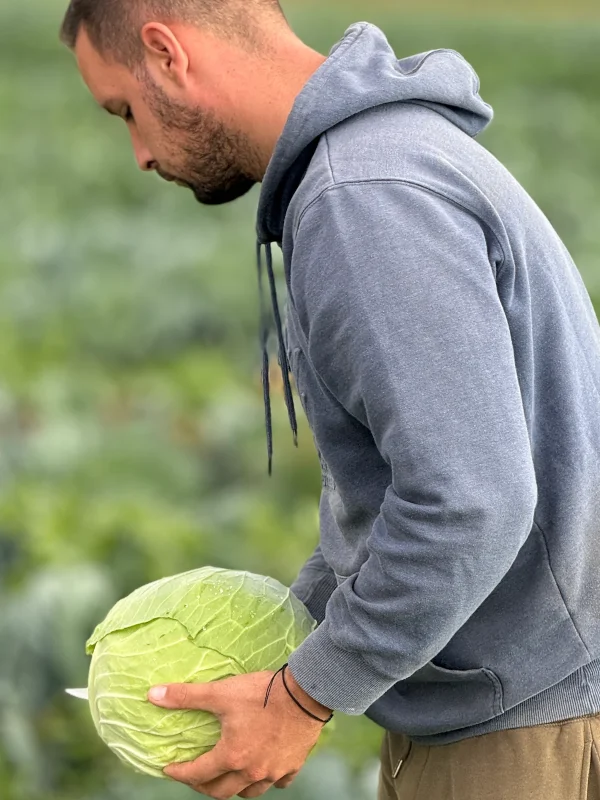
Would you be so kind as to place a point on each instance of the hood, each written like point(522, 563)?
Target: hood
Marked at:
point(362, 72)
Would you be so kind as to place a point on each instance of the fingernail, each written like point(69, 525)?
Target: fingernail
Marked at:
point(157, 693)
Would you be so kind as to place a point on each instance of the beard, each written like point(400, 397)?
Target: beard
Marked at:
point(217, 163)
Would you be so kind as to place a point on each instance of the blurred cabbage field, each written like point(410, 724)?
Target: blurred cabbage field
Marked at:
point(131, 417)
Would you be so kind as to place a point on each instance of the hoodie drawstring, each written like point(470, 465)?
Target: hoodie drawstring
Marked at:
point(283, 359)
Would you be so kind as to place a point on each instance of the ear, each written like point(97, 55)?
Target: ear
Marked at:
point(164, 53)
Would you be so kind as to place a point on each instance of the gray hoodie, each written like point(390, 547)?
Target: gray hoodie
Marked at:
point(447, 355)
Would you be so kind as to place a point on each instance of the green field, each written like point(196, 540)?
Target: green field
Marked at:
point(529, 10)
point(130, 402)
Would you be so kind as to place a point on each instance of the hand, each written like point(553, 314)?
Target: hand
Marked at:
point(259, 747)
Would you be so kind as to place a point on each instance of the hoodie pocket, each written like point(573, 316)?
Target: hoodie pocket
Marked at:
point(436, 699)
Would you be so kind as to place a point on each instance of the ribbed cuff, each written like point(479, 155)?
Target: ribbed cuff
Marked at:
point(336, 678)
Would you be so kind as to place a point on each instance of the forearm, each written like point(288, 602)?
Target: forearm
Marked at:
point(312, 705)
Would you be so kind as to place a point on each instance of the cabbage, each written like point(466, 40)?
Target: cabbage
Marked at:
point(204, 625)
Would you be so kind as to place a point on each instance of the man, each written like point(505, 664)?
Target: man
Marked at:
point(448, 358)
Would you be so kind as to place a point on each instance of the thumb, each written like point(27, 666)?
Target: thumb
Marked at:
point(197, 696)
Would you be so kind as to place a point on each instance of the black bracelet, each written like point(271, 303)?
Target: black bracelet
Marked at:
point(306, 711)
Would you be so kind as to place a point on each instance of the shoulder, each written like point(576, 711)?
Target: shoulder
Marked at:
point(403, 142)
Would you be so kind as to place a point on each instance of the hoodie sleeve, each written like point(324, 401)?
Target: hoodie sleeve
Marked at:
point(395, 289)
point(315, 584)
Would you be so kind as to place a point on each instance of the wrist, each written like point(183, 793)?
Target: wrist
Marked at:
point(304, 698)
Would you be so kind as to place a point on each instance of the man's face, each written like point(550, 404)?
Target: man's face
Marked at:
point(181, 142)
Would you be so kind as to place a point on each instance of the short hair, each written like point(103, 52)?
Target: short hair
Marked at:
point(113, 26)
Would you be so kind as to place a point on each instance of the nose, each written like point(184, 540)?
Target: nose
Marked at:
point(144, 159)
point(143, 156)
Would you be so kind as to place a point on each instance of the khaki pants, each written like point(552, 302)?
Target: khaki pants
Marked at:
point(557, 761)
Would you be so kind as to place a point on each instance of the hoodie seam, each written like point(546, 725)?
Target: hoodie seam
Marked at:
point(455, 55)
point(328, 151)
point(348, 40)
point(428, 105)
point(427, 56)
point(560, 591)
point(413, 185)
point(312, 86)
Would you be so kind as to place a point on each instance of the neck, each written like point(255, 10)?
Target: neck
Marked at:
point(267, 111)
point(259, 90)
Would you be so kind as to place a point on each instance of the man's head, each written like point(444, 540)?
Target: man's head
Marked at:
point(203, 85)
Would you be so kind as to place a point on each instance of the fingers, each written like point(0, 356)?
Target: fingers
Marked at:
point(216, 779)
point(214, 776)
point(256, 790)
point(198, 696)
point(231, 785)
point(203, 770)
